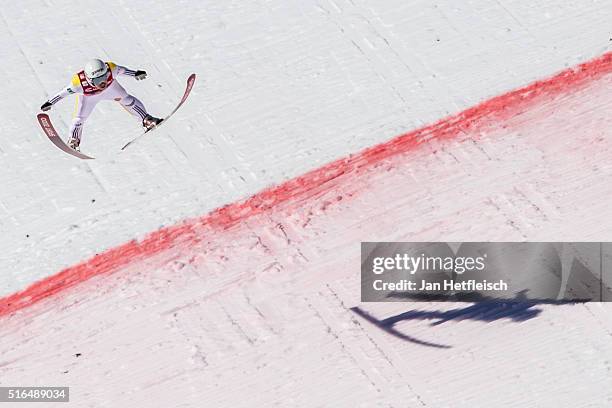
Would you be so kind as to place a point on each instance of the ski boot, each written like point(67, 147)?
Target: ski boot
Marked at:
point(149, 122)
point(73, 143)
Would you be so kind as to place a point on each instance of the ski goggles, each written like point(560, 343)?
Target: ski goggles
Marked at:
point(100, 81)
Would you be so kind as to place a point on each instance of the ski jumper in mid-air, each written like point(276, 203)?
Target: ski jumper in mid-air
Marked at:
point(96, 82)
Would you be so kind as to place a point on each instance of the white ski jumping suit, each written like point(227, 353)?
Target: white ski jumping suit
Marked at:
point(88, 96)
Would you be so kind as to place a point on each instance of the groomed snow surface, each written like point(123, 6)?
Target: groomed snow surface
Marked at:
point(258, 304)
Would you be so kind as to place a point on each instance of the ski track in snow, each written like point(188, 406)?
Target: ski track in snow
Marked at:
point(254, 305)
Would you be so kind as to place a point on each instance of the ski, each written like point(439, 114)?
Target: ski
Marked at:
point(190, 82)
point(47, 127)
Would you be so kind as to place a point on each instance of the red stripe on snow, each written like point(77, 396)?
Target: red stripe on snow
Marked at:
point(294, 190)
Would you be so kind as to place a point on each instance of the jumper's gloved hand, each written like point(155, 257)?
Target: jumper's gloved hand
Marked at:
point(140, 75)
point(46, 106)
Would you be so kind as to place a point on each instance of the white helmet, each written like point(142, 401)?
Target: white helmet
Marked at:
point(96, 71)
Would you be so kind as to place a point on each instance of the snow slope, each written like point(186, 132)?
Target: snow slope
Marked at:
point(263, 312)
point(283, 88)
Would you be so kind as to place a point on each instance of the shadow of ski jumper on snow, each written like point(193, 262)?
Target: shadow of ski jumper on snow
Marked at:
point(485, 311)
